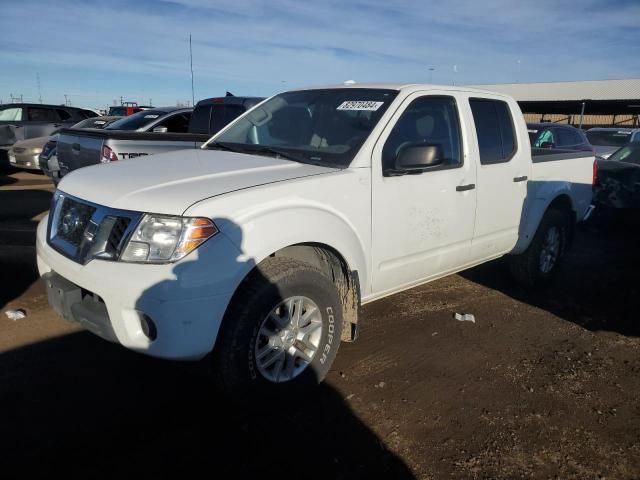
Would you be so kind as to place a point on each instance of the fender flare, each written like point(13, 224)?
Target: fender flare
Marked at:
point(534, 211)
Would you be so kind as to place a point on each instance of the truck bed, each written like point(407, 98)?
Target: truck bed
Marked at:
point(81, 148)
point(555, 170)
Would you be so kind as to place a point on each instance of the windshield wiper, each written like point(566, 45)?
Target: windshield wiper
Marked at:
point(278, 153)
point(225, 146)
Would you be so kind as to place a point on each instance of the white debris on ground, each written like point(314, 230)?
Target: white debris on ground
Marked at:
point(14, 315)
point(464, 317)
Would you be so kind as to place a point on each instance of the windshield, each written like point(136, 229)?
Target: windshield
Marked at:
point(608, 138)
point(323, 127)
point(137, 120)
point(628, 154)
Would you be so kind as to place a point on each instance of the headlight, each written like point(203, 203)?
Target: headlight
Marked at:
point(36, 151)
point(162, 238)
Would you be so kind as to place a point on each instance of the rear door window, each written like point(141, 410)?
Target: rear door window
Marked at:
point(178, 123)
point(546, 137)
point(568, 138)
point(494, 129)
point(39, 114)
point(63, 114)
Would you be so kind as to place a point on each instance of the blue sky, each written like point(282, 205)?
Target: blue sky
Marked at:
point(96, 51)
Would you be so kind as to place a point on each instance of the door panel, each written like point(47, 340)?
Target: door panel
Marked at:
point(422, 225)
point(502, 178)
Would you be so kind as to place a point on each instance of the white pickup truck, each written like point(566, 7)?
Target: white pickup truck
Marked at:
point(258, 249)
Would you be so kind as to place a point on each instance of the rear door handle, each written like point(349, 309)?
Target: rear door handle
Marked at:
point(464, 188)
point(520, 179)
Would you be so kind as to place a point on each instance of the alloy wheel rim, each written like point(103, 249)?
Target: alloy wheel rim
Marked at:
point(550, 250)
point(288, 339)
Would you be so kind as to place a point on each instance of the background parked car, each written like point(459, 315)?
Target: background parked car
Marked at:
point(142, 134)
point(605, 141)
point(617, 189)
point(127, 108)
point(554, 135)
point(48, 160)
point(21, 121)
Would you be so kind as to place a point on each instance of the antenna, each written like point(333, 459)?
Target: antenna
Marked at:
point(39, 91)
point(193, 97)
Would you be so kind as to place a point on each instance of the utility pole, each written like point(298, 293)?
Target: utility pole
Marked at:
point(39, 90)
point(66, 100)
point(193, 96)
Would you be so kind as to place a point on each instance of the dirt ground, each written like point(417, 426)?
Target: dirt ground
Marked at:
point(544, 384)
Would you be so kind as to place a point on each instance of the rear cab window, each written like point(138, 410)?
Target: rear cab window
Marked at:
point(608, 138)
point(137, 120)
point(495, 130)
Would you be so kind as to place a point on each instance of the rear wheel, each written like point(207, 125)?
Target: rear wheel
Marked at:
point(282, 329)
point(540, 261)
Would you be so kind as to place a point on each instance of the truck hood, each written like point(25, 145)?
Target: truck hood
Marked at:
point(171, 182)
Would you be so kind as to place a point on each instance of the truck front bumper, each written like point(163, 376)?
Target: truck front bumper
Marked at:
point(170, 311)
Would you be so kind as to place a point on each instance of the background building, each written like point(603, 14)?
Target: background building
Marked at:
point(602, 103)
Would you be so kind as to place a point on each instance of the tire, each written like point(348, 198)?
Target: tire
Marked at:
point(530, 268)
point(263, 303)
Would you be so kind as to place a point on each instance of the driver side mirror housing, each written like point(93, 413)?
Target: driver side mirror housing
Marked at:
point(418, 157)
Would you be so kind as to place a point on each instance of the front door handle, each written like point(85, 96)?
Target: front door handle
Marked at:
point(520, 179)
point(464, 188)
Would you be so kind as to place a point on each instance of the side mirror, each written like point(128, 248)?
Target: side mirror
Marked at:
point(160, 130)
point(548, 145)
point(419, 157)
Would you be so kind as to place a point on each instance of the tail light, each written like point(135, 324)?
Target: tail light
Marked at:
point(594, 180)
point(108, 155)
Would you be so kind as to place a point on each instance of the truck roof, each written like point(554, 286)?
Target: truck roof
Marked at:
point(404, 86)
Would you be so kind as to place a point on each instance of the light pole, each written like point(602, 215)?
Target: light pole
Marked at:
point(431, 69)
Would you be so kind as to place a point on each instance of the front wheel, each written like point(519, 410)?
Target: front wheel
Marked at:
point(540, 261)
point(282, 329)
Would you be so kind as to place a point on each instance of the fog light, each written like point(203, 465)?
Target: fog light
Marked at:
point(148, 327)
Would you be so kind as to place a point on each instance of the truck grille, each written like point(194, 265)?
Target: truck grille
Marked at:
point(83, 231)
point(117, 234)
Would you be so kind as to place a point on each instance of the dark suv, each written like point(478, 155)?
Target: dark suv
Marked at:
point(20, 121)
point(555, 135)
